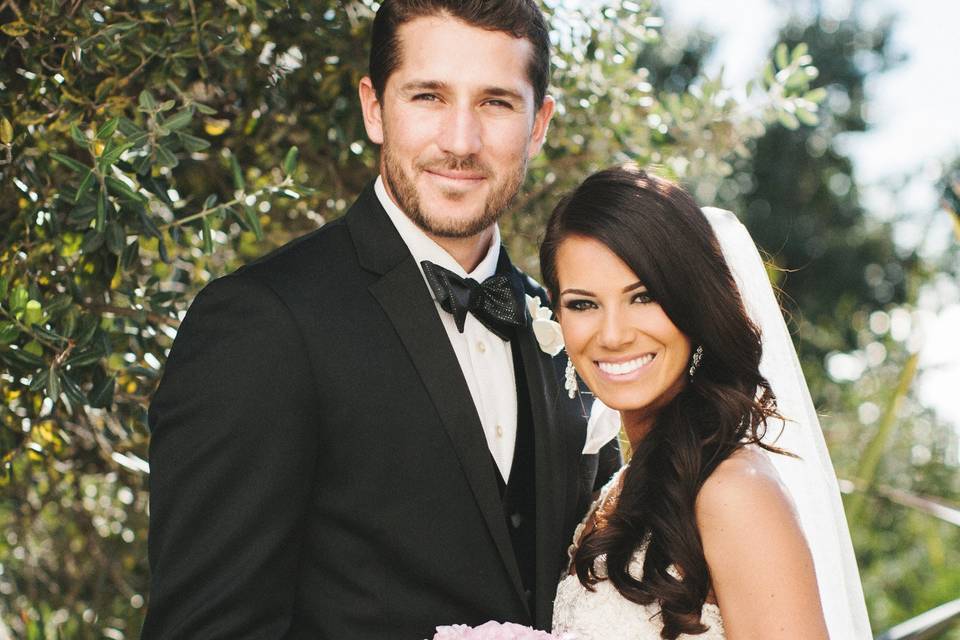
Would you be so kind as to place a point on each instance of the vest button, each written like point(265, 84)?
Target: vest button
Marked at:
point(515, 520)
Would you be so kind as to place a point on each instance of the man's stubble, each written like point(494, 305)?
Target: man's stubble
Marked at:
point(403, 188)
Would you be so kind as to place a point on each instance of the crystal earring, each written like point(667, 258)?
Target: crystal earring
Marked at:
point(696, 358)
point(570, 379)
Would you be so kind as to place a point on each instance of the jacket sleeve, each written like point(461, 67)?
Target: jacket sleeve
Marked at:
point(233, 447)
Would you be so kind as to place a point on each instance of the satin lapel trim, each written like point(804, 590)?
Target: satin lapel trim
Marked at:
point(404, 297)
point(551, 473)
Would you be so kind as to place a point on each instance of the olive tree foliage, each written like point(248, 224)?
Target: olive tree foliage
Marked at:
point(148, 147)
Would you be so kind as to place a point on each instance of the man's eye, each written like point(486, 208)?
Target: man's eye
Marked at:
point(500, 103)
point(426, 97)
point(579, 305)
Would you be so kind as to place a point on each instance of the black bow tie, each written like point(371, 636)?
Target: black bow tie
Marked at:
point(498, 302)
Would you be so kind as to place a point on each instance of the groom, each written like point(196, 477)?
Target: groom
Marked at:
point(353, 438)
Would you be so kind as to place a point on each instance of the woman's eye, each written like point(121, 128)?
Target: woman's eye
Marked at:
point(643, 297)
point(579, 305)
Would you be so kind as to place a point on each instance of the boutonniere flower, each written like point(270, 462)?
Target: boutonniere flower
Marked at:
point(545, 328)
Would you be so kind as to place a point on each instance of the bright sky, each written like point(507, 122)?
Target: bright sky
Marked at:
point(914, 127)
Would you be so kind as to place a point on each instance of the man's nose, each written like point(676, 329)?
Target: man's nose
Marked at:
point(461, 134)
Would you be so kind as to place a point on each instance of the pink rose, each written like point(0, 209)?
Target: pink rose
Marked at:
point(495, 631)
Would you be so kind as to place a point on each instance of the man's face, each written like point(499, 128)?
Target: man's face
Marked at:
point(457, 124)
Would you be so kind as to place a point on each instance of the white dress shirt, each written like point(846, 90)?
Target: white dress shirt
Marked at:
point(485, 359)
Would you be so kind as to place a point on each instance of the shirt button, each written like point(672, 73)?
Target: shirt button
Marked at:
point(499, 431)
point(516, 520)
point(481, 347)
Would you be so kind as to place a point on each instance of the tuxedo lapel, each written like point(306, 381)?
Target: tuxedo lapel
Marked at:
point(405, 299)
point(551, 479)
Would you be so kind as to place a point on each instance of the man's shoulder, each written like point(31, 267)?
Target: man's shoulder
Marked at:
point(531, 287)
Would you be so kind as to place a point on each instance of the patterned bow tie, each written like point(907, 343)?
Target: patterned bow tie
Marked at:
point(497, 302)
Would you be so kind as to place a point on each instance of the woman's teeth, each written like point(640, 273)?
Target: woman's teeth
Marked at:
point(621, 368)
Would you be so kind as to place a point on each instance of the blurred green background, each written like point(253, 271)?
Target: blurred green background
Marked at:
point(148, 147)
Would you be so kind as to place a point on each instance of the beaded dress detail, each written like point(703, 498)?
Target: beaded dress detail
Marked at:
point(604, 614)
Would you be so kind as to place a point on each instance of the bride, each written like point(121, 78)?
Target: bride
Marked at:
point(726, 523)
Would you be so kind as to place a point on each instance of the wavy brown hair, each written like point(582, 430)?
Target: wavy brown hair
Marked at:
point(657, 229)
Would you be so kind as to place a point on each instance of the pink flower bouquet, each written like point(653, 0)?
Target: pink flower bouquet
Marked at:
point(496, 631)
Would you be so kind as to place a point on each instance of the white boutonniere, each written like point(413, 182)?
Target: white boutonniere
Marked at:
point(545, 328)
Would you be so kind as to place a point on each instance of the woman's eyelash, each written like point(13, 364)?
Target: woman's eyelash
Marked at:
point(644, 297)
point(578, 305)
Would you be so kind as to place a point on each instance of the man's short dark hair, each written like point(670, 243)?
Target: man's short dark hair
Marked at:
point(519, 18)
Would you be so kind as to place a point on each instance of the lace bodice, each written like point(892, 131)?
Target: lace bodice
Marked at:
point(603, 614)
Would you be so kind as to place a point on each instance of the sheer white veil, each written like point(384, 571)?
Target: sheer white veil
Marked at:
point(811, 480)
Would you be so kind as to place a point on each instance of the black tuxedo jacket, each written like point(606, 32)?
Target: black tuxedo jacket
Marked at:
point(318, 468)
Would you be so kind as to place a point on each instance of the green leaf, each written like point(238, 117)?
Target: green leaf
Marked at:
point(120, 189)
point(39, 380)
point(16, 28)
point(204, 109)
point(53, 383)
point(808, 118)
point(6, 131)
point(254, 221)
point(166, 158)
point(788, 120)
point(101, 211)
point(70, 162)
point(88, 328)
point(210, 201)
point(178, 120)
point(101, 396)
point(207, 235)
point(192, 143)
point(32, 313)
point(83, 358)
point(166, 105)
point(780, 56)
point(115, 238)
point(111, 154)
point(78, 137)
point(24, 358)
point(92, 241)
point(130, 255)
point(8, 332)
point(238, 182)
point(290, 161)
point(147, 101)
point(106, 131)
point(72, 389)
point(18, 300)
point(85, 185)
point(816, 95)
point(799, 51)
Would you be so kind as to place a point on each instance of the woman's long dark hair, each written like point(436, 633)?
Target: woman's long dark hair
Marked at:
point(657, 229)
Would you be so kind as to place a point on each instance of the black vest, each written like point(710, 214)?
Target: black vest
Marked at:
point(518, 494)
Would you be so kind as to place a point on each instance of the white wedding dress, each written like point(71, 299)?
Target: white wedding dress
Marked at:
point(604, 614)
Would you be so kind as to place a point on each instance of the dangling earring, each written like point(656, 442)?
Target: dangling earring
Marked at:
point(696, 358)
point(570, 379)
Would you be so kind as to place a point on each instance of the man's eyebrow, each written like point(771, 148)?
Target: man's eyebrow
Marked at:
point(503, 92)
point(423, 85)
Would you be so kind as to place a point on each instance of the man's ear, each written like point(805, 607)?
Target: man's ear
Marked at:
point(372, 111)
point(541, 122)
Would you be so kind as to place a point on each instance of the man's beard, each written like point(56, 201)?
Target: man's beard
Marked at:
point(403, 188)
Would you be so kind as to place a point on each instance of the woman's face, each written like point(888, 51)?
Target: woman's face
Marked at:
point(622, 343)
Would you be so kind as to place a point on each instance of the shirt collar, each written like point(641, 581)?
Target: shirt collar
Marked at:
point(422, 247)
